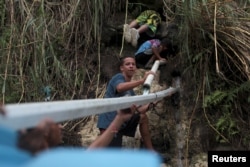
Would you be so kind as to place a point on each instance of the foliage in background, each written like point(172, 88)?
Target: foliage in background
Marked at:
point(214, 43)
point(47, 44)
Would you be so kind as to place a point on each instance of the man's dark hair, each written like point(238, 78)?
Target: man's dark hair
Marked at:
point(124, 57)
point(166, 42)
point(33, 141)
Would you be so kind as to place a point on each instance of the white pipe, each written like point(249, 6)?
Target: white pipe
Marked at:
point(26, 115)
point(150, 77)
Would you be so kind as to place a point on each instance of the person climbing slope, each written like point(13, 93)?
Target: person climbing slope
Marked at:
point(150, 51)
point(148, 21)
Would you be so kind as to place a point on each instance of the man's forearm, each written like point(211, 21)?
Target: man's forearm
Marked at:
point(122, 87)
point(106, 137)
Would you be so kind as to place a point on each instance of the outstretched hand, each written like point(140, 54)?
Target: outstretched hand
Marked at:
point(163, 60)
point(147, 74)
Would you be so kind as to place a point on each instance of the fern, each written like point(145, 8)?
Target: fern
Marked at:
point(227, 126)
point(223, 101)
point(243, 87)
point(215, 98)
point(226, 97)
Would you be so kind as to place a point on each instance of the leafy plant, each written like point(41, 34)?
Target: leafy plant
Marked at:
point(215, 98)
point(227, 126)
point(225, 98)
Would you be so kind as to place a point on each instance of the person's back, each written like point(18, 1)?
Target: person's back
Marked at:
point(146, 47)
point(95, 158)
point(12, 156)
point(150, 51)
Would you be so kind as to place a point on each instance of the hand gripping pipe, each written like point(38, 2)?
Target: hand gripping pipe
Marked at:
point(27, 115)
point(150, 78)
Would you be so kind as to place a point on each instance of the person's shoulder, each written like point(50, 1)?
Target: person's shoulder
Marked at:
point(155, 42)
point(8, 136)
point(116, 79)
point(118, 75)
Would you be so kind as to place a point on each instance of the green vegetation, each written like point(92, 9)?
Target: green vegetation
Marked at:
point(48, 43)
point(57, 44)
point(214, 45)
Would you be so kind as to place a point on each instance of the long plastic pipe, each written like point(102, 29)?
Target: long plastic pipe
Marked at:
point(26, 115)
point(150, 78)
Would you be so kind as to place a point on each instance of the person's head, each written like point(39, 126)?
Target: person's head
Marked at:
point(33, 141)
point(52, 132)
point(46, 135)
point(128, 66)
point(166, 44)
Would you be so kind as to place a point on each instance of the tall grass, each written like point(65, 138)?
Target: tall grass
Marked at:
point(47, 44)
point(215, 48)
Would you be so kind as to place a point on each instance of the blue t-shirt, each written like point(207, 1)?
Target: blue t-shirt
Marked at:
point(8, 137)
point(105, 119)
point(10, 154)
point(67, 157)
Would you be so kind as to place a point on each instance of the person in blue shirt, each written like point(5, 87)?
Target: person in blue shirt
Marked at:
point(47, 134)
point(12, 156)
point(121, 85)
point(150, 51)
